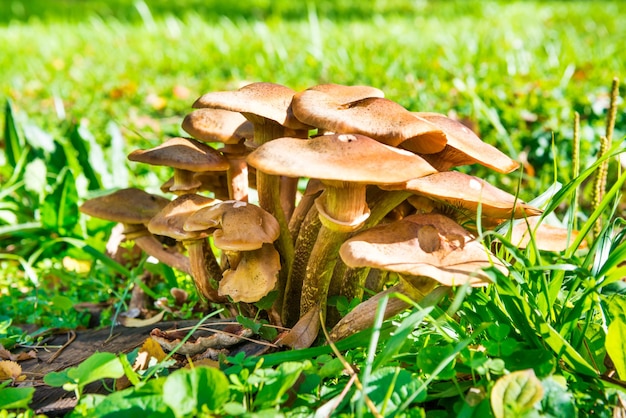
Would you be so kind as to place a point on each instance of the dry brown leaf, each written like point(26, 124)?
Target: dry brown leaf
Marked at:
point(304, 333)
point(206, 362)
point(153, 349)
point(138, 323)
point(11, 370)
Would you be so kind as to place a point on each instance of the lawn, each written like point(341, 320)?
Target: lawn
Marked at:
point(87, 82)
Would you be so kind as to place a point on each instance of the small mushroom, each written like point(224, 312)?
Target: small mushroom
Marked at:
point(238, 226)
point(186, 156)
point(169, 222)
point(232, 129)
point(254, 277)
point(134, 208)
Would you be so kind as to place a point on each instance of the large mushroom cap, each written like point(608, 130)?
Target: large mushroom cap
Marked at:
point(377, 117)
point(218, 125)
point(240, 226)
point(467, 192)
point(170, 220)
point(341, 157)
point(182, 153)
point(422, 245)
point(463, 147)
point(128, 206)
point(267, 100)
point(255, 275)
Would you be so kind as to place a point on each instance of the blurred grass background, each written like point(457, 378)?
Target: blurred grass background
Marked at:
point(516, 70)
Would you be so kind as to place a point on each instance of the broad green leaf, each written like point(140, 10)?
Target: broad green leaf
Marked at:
point(146, 400)
point(615, 338)
point(388, 387)
point(96, 367)
point(515, 394)
point(429, 358)
point(89, 155)
point(275, 383)
point(557, 400)
point(59, 211)
point(14, 398)
point(14, 143)
point(186, 391)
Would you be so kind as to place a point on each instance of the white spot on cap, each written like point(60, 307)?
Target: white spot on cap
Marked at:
point(346, 138)
point(239, 204)
point(475, 184)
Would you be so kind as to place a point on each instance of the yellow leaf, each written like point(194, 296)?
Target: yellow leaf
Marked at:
point(10, 370)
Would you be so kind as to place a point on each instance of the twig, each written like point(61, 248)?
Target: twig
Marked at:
point(70, 340)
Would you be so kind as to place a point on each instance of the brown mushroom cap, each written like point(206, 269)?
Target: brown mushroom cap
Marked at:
point(546, 237)
point(377, 117)
point(255, 275)
point(340, 157)
point(467, 192)
point(218, 125)
point(128, 206)
point(239, 226)
point(267, 100)
point(170, 220)
point(422, 245)
point(344, 94)
point(182, 153)
point(463, 147)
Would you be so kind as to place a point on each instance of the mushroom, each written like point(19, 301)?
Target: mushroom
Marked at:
point(186, 156)
point(254, 277)
point(345, 164)
point(169, 222)
point(425, 249)
point(134, 208)
point(463, 147)
point(231, 129)
point(238, 226)
point(467, 193)
point(376, 117)
point(268, 107)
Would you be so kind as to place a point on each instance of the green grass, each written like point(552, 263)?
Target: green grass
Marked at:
point(108, 77)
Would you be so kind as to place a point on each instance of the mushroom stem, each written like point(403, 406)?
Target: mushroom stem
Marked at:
point(343, 209)
point(237, 173)
point(351, 282)
point(268, 188)
point(288, 192)
point(313, 190)
point(304, 245)
point(363, 315)
point(184, 182)
point(154, 248)
point(198, 252)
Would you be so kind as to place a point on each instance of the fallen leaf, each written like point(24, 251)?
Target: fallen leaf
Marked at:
point(11, 370)
point(7, 355)
point(138, 323)
point(304, 333)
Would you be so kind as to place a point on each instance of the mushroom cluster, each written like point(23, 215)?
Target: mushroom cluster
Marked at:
point(379, 196)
